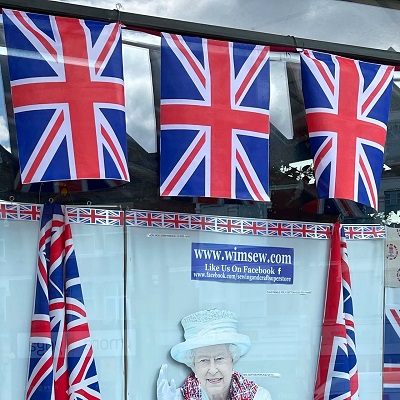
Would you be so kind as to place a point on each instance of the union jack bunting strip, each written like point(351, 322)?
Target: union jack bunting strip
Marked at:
point(347, 104)
point(203, 223)
point(214, 118)
point(177, 221)
point(149, 219)
point(391, 366)
point(68, 95)
point(61, 363)
point(228, 225)
point(364, 232)
point(279, 228)
point(29, 212)
point(337, 374)
point(303, 230)
point(9, 211)
point(254, 227)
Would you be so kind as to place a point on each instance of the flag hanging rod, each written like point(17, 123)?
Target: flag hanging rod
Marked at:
point(157, 24)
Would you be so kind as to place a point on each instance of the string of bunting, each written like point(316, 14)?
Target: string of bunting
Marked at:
point(167, 220)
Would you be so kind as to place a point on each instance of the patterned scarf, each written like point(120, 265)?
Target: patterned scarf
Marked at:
point(241, 388)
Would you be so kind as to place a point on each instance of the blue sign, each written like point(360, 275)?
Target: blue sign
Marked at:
point(236, 263)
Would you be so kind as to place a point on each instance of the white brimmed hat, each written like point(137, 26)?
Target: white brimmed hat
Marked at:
point(208, 328)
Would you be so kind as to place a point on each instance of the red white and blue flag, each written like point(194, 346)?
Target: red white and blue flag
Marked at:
point(68, 95)
point(391, 354)
point(61, 363)
point(214, 118)
point(337, 374)
point(347, 104)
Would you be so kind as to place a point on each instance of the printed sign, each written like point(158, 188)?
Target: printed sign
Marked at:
point(236, 263)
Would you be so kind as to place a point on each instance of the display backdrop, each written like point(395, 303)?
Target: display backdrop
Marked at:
point(283, 320)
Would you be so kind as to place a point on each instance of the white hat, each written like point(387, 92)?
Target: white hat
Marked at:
point(208, 328)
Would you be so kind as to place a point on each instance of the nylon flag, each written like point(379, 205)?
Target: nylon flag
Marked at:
point(61, 364)
point(347, 109)
point(68, 96)
point(391, 354)
point(337, 374)
point(214, 118)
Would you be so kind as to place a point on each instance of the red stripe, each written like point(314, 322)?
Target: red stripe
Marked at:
point(120, 161)
point(41, 38)
point(42, 153)
point(391, 375)
point(322, 71)
point(374, 93)
point(263, 53)
point(395, 315)
point(40, 328)
point(107, 47)
point(189, 58)
point(78, 309)
point(185, 165)
point(82, 370)
point(248, 176)
point(40, 374)
point(369, 183)
point(317, 159)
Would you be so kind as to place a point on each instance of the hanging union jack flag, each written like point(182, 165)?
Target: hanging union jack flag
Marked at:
point(337, 374)
point(347, 104)
point(68, 95)
point(391, 354)
point(61, 364)
point(214, 118)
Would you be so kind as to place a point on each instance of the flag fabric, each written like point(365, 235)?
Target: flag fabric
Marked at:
point(337, 374)
point(61, 363)
point(392, 262)
point(347, 109)
point(214, 118)
point(67, 91)
point(391, 354)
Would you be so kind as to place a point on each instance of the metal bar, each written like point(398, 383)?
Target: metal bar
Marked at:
point(158, 24)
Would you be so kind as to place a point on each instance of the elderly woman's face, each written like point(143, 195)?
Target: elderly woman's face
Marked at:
point(213, 367)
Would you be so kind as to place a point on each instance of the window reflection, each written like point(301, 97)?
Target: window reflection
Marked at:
point(140, 117)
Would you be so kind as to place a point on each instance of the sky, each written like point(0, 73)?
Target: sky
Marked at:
point(327, 20)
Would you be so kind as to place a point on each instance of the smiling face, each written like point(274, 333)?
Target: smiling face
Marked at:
point(213, 366)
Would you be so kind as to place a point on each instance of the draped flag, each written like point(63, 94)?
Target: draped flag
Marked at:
point(391, 354)
point(68, 95)
point(214, 118)
point(347, 109)
point(337, 374)
point(61, 364)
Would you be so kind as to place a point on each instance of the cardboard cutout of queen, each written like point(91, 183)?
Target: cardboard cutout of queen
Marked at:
point(211, 347)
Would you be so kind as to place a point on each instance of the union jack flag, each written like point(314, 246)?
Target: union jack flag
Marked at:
point(177, 221)
point(337, 375)
point(61, 364)
point(279, 228)
point(391, 366)
point(68, 95)
point(347, 104)
point(254, 227)
point(214, 118)
point(203, 223)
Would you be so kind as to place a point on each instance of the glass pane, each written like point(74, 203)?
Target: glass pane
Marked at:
point(282, 321)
